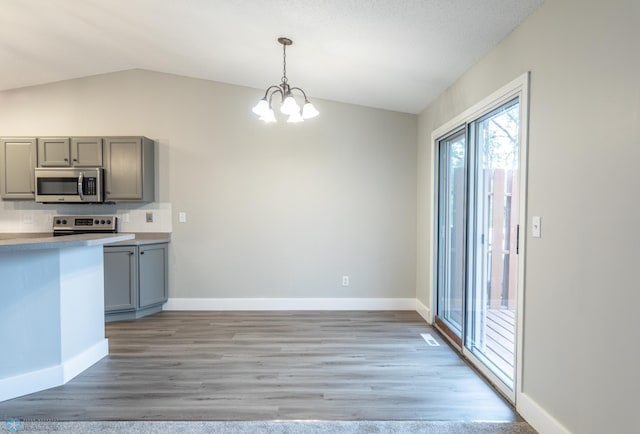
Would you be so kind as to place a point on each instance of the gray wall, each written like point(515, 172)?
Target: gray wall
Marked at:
point(284, 211)
point(581, 324)
point(273, 210)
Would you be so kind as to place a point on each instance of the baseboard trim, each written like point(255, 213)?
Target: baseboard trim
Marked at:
point(30, 382)
point(424, 312)
point(57, 375)
point(77, 364)
point(537, 417)
point(290, 304)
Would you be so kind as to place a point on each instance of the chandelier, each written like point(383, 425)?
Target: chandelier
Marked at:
point(288, 104)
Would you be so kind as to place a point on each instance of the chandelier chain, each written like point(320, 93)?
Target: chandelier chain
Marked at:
point(284, 63)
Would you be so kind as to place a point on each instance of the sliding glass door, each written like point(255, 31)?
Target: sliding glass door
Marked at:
point(493, 218)
point(451, 233)
point(478, 203)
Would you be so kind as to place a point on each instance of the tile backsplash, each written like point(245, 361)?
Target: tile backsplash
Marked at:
point(22, 217)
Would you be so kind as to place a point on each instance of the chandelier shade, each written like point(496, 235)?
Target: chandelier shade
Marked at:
point(288, 104)
point(309, 111)
point(269, 116)
point(261, 108)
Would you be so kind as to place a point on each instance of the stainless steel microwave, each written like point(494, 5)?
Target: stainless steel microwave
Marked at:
point(61, 185)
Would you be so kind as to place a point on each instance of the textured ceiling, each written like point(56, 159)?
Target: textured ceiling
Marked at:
point(392, 54)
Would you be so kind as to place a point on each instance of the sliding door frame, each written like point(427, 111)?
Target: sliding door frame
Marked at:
point(437, 321)
point(518, 88)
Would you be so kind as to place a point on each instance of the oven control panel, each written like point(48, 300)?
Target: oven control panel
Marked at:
point(85, 223)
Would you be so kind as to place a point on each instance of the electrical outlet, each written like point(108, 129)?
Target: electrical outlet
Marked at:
point(345, 280)
point(149, 217)
point(182, 217)
point(125, 217)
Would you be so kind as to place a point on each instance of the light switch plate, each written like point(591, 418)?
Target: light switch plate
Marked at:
point(536, 230)
point(182, 217)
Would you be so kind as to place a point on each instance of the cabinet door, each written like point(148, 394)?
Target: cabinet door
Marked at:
point(123, 167)
point(86, 151)
point(53, 152)
point(153, 273)
point(120, 278)
point(17, 163)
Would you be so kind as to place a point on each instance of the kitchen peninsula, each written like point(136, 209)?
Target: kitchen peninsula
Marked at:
point(52, 310)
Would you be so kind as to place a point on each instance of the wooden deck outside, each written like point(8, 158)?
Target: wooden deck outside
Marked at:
point(497, 266)
point(500, 342)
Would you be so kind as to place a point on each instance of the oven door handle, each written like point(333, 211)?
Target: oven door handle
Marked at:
point(80, 184)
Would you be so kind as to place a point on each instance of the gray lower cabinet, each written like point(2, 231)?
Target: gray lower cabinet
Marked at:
point(120, 278)
point(135, 280)
point(152, 274)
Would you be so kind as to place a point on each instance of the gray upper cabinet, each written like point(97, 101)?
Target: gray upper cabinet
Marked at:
point(86, 151)
point(17, 163)
point(129, 169)
point(65, 151)
point(53, 152)
point(128, 162)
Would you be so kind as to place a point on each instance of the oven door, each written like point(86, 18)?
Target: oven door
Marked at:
point(69, 185)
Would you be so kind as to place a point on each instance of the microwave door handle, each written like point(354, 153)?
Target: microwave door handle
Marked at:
point(80, 183)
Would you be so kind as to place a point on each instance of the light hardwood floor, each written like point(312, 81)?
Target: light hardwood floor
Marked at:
point(271, 366)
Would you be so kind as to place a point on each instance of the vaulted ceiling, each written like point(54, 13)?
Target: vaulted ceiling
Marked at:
point(392, 54)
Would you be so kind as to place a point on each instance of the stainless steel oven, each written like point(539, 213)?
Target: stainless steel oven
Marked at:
point(69, 185)
point(84, 224)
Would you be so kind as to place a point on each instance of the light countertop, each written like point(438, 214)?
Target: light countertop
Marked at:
point(142, 238)
point(21, 242)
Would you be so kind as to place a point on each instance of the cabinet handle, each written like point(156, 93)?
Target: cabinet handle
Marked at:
point(131, 253)
point(142, 253)
point(66, 159)
point(75, 159)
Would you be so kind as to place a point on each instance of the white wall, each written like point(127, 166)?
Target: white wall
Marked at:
point(273, 210)
point(582, 293)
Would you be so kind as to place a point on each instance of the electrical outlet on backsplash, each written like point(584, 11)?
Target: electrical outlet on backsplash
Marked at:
point(135, 220)
point(32, 218)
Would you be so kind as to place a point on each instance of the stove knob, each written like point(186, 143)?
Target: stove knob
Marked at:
point(58, 222)
point(96, 221)
point(102, 222)
point(108, 222)
point(64, 222)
